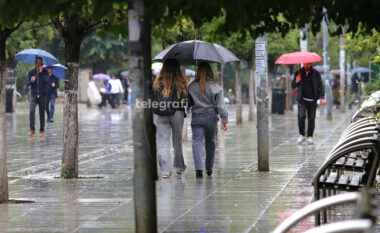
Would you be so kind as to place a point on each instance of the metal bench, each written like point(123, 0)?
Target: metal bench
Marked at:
point(364, 222)
point(351, 165)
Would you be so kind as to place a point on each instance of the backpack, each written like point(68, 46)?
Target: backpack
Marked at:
point(164, 106)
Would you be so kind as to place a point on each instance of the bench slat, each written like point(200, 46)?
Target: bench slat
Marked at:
point(350, 162)
point(332, 178)
point(340, 161)
point(359, 163)
point(322, 179)
point(343, 180)
point(355, 180)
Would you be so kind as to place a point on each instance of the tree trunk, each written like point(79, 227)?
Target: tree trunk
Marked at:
point(144, 131)
point(70, 110)
point(3, 128)
point(220, 75)
point(239, 107)
point(251, 116)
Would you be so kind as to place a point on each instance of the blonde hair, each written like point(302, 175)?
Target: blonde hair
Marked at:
point(204, 73)
point(170, 74)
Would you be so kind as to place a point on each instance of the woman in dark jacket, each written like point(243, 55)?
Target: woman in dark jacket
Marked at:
point(170, 94)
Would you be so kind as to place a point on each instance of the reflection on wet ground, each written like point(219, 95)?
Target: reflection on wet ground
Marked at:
point(235, 199)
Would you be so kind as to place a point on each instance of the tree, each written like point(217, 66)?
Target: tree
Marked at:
point(178, 29)
point(102, 53)
point(12, 16)
point(75, 21)
point(5, 33)
point(365, 46)
point(243, 46)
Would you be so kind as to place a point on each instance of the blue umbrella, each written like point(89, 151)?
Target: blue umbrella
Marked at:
point(58, 70)
point(29, 56)
point(360, 70)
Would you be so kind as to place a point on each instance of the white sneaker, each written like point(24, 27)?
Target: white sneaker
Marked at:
point(301, 139)
point(310, 140)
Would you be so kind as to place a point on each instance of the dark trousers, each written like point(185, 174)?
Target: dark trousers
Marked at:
point(50, 107)
point(204, 127)
point(126, 96)
point(309, 108)
point(106, 98)
point(41, 102)
point(115, 99)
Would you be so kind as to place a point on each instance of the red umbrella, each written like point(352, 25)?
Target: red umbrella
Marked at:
point(298, 58)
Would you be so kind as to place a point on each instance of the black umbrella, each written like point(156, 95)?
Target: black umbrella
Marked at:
point(193, 52)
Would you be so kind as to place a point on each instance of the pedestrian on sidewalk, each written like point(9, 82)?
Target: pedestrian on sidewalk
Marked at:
point(169, 102)
point(51, 91)
point(105, 91)
point(126, 84)
point(310, 88)
point(206, 102)
point(116, 90)
point(38, 79)
point(355, 80)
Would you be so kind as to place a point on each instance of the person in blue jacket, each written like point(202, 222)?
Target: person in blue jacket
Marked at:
point(51, 92)
point(38, 79)
point(106, 95)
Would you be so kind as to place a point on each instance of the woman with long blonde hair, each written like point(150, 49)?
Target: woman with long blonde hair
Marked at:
point(206, 103)
point(169, 101)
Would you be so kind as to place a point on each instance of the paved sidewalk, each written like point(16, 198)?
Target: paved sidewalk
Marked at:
point(236, 199)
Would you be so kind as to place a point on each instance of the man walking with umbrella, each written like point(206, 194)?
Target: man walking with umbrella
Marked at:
point(310, 88)
point(38, 79)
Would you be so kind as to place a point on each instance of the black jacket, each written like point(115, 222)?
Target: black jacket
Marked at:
point(38, 88)
point(318, 87)
point(52, 91)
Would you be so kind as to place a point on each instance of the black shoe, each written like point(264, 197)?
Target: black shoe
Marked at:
point(199, 173)
point(209, 172)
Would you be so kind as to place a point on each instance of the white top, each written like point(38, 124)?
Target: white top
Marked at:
point(116, 86)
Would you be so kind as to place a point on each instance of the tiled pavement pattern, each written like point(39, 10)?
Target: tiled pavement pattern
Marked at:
point(236, 199)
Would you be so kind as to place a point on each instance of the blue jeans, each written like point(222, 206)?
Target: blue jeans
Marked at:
point(204, 126)
point(50, 109)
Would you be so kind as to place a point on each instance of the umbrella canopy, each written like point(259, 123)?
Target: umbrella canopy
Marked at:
point(298, 58)
point(124, 73)
point(101, 77)
point(58, 70)
point(360, 70)
point(335, 72)
point(29, 56)
point(193, 52)
point(319, 68)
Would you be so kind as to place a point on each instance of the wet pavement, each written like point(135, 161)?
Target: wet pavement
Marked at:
point(236, 198)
